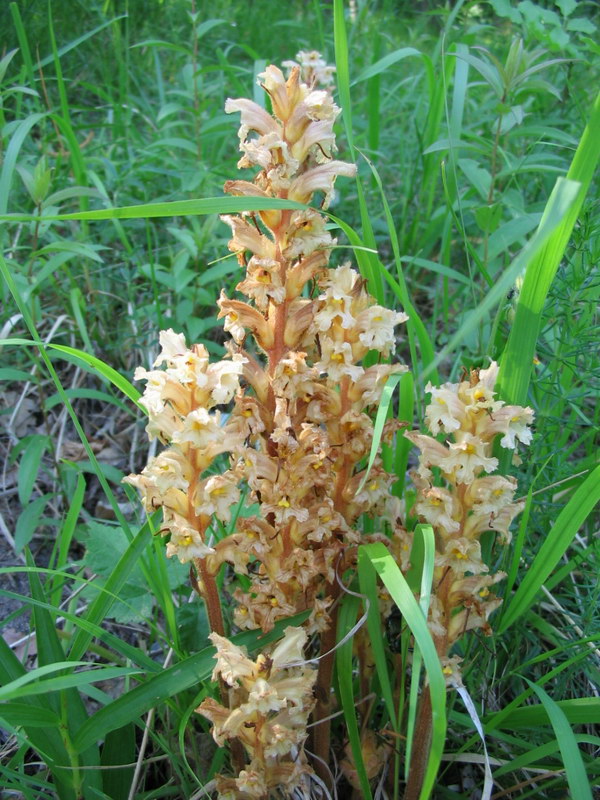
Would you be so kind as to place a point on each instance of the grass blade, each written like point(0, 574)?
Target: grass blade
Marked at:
point(382, 412)
point(10, 160)
point(579, 784)
point(165, 684)
point(343, 660)
point(367, 578)
point(558, 540)
point(517, 360)
point(395, 582)
point(559, 203)
point(176, 208)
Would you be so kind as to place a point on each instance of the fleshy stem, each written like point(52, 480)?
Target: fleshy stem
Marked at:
point(421, 747)
point(322, 729)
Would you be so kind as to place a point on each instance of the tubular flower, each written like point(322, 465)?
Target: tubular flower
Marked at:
point(471, 502)
point(296, 429)
point(275, 699)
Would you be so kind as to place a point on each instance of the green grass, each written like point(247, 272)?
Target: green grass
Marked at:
point(114, 147)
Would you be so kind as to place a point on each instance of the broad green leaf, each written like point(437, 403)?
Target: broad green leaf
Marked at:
point(119, 748)
point(28, 716)
point(18, 689)
point(385, 63)
point(368, 587)
point(30, 465)
point(36, 673)
point(425, 534)
point(28, 521)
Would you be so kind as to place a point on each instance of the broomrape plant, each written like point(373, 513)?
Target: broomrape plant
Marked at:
point(290, 406)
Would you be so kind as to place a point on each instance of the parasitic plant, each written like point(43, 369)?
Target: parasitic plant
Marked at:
point(296, 431)
point(289, 412)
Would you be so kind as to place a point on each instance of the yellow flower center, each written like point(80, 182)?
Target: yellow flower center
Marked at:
point(515, 419)
point(337, 357)
point(373, 486)
point(284, 503)
point(186, 540)
point(218, 491)
point(447, 670)
point(497, 492)
point(470, 449)
point(484, 592)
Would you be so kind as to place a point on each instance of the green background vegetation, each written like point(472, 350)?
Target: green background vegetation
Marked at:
point(461, 118)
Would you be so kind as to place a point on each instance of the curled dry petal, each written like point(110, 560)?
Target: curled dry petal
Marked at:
point(253, 117)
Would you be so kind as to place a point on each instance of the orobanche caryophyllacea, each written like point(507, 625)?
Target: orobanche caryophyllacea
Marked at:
point(289, 413)
point(296, 431)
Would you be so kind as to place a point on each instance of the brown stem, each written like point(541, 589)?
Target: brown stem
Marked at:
point(421, 747)
point(321, 734)
point(208, 591)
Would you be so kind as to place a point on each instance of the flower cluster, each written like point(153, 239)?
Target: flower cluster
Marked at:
point(274, 698)
point(179, 402)
point(468, 502)
point(296, 430)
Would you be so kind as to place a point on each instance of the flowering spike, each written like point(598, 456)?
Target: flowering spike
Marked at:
point(296, 431)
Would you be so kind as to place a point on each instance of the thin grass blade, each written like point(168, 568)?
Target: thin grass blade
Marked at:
point(555, 545)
